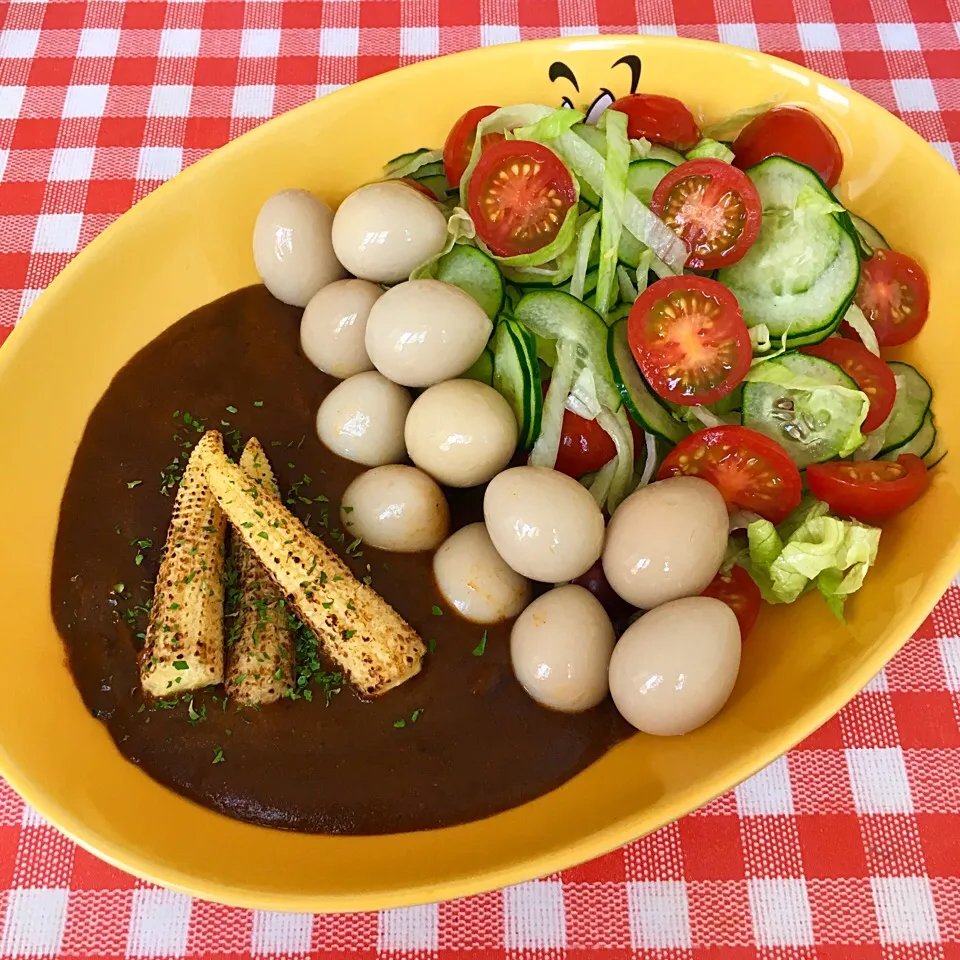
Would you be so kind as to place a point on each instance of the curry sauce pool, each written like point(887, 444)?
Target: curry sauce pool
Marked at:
point(459, 742)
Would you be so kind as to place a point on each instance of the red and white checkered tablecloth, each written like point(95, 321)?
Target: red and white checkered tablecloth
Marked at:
point(848, 848)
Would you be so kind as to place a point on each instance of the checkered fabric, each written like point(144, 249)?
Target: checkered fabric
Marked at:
point(848, 848)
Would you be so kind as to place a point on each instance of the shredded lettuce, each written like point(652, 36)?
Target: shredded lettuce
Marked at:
point(551, 126)
point(586, 234)
point(547, 444)
point(761, 343)
point(599, 483)
point(811, 548)
point(618, 428)
point(760, 338)
point(460, 229)
point(611, 211)
point(650, 461)
point(640, 149)
point(876, 439)
point(628, 290)
point(729, 127)
point(812, 202)
point(589, 165)
point(712, 149)
point(855, 317)
point(643, 269)
point(393, 171)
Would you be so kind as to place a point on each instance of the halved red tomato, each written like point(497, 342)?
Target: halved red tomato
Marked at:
point(894, 296)
point(790, 132)
point(751, 471)
point(688, 337)
point(660, 119)
point(738, 591)
point(713, 208)
point(871, 374)
point(585, 446)
point(869, 490)
point(519, 195)
point(459, 143)
point(419, 187)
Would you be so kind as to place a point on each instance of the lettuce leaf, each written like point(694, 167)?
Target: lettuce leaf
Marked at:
point(460, 229)
point(712, 149)
point(810, 549)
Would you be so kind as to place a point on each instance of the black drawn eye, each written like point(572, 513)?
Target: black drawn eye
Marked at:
point(558, 70)
point(633, 62)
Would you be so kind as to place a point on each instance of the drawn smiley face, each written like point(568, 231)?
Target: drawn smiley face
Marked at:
point(562, 71)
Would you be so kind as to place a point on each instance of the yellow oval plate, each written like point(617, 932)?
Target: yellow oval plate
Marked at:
point(189, 242)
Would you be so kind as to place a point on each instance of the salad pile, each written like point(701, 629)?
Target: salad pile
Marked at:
point(675, 299)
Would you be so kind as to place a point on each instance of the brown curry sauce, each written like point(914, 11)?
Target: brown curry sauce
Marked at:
point(471, 742)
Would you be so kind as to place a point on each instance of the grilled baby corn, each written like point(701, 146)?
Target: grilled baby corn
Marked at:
point(373, 645)
point(183, 649)
point(261, 654)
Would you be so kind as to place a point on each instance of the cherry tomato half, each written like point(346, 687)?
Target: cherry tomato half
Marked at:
point(660, 119)
point(459, 143)
point(585, 446)
point(688, 337)
point(871, 374)
point(790, 132)
point(868, 490)
point(751, 471)
point(894, 296)
point(713, 208)
point(419, 187)
point(738, 591)
point(519, 195)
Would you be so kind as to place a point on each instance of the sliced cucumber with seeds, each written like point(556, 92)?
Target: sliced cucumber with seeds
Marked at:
point(637, 396)
point(920, 444)
point(870, 235)
point(555, 315)
point(475, 273)
point(811, 427)
point(909, 408)
point(516, 377)
point(802, 272)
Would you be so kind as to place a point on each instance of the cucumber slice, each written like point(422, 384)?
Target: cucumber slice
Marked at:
point(438, 186)
point(405, 158)
point(802, 273)
point(921, 443)
point(870, 235)
point(810, 434)
point(909, 408)
point(428, 170)
point(475, 273)
point(555, 315)
point(482, 370)
point(516, 377)
point(637, 396)
point(935, 455)
point(643, 177)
